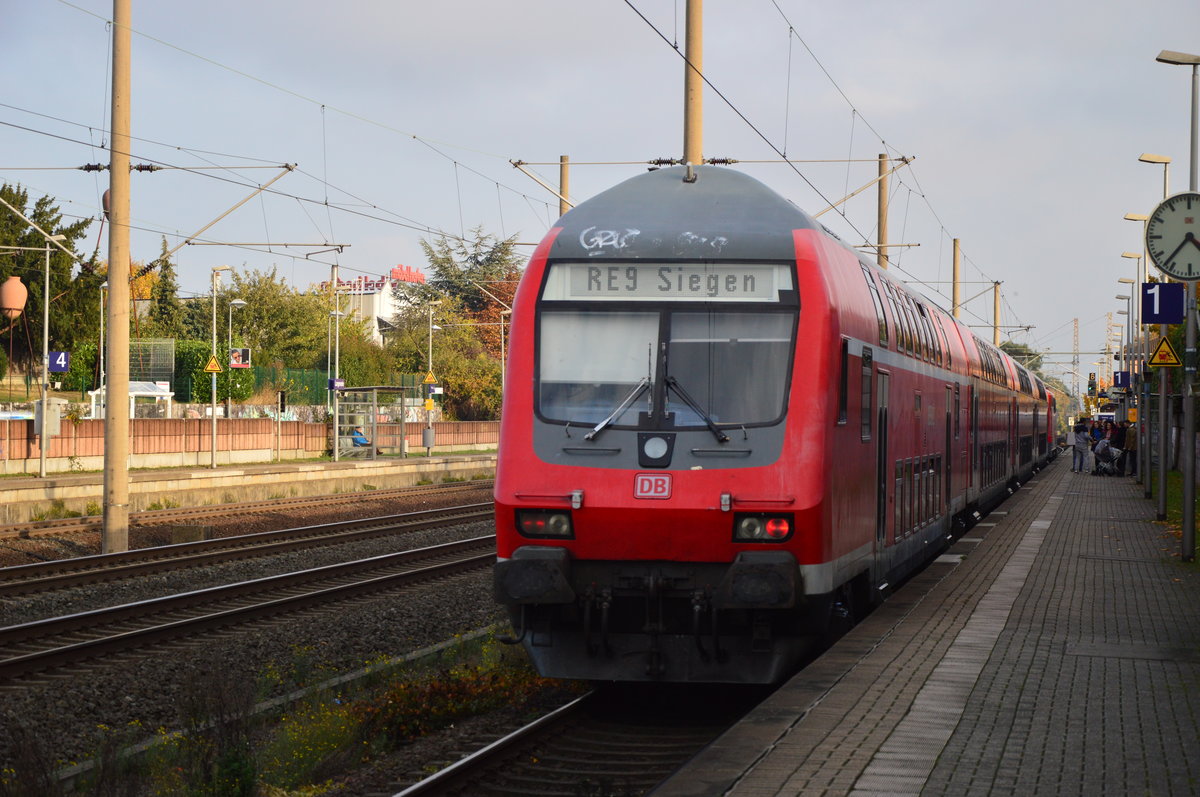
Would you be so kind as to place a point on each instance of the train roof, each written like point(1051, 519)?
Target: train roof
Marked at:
point(660, 215)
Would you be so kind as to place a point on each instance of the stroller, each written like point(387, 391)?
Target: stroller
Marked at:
point(1107, 455)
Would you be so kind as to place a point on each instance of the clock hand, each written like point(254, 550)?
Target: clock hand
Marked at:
point(1191, 237)
point(1182, 244)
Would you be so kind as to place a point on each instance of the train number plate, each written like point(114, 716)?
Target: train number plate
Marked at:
point(652, 485)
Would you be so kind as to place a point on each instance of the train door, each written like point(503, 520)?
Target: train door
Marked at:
point(948, 457)
point(882, 478)
point(1013, 416)
point(973, 403)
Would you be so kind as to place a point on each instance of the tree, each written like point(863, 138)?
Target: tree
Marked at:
point(279, 322)
point(1023, 355)
point(473, 283)
point(73, 298)
point(165, 317)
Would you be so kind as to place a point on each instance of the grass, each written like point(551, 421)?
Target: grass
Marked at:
point(1174, 521)
point(57, 511)
point(224, 748)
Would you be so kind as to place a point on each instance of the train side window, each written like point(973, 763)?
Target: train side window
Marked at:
point(868, 377)
point(903, 342)
point(844, 386)
point(957, 412)
point(878, 302)
point(899, 499)
point(935, 342)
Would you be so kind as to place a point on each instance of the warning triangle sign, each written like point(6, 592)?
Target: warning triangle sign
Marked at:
point(430, 379)
point(1164, 355)
point(213, 366)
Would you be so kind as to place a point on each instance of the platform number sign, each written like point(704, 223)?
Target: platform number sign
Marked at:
point(1162, 302)
point(60, 362)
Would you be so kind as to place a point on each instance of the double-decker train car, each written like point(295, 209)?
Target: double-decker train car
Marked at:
point(724, 430)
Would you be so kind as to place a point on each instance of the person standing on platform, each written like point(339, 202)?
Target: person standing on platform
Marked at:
point(1117, 438)
point(1131, 448)
point(1081, 441)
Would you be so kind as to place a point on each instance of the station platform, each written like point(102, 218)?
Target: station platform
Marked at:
point(23, 497)
point(1053, 650)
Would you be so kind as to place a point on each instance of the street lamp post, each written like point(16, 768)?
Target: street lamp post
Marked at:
point(45, 359)
point(216, 272)
point(238, 303)
point(427, 437)
point(507, 311)
point(100, 376)
point(503, 360)
point(335, 317)
point(1163, 439)
point(1189, 355)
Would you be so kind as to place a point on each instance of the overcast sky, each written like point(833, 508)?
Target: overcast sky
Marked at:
point(1025, 118)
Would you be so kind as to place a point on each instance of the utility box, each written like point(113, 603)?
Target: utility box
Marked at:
point(53, 419)
point(427, 437)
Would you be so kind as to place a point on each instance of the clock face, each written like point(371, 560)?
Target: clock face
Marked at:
point(1173, 236)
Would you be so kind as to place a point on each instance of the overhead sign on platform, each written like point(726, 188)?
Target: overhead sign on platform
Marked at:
point(1162, 302)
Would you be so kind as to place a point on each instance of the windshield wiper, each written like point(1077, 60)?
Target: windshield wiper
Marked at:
point(638, 390)
point(673, 383)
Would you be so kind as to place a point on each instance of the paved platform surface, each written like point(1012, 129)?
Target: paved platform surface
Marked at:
point(1055, 650)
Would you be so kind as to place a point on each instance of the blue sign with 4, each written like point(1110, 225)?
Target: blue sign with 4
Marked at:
point(60, 362)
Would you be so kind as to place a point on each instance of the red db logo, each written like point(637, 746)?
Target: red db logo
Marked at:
point(652, 485)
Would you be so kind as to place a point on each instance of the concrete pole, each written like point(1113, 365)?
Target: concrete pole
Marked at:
point(1189, 366)
point(693, 85)
point(45, 367)
point(957, 287)
point(996, 314)
point(337, 360)
point(115, 537)
point(563, 184)
point(103, 392)
point(212, 451)
point(881, 253)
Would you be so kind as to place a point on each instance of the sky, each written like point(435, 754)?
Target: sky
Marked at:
point(1025, 119)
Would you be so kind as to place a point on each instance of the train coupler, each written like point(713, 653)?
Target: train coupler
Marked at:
point(603, 598)
point(524, 627)
point(700, 602)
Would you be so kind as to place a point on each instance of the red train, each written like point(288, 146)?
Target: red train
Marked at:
point(724, 429)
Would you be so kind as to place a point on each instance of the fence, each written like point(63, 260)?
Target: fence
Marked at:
point(166, 442)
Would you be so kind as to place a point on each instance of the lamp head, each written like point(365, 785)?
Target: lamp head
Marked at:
point(1136, 217)
point(1179, 59)
point(1148, 157)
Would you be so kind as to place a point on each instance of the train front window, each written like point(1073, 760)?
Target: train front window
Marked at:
point(590, 363)
point(654, 345)
point(734, 365)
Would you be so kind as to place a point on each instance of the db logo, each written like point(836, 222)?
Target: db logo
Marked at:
point(652, 485)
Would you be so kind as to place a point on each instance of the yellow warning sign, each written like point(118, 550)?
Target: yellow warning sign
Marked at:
point(213, 366)
point(430, 379)
point(428, 404)
point(1165, 356)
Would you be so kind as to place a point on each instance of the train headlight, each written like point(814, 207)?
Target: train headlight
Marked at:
point(762, 527)
point(545, 523)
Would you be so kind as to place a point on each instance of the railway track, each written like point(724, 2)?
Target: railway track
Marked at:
point(52, 644)
point(83, 570)
point(159, 517)
point(619, 740)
